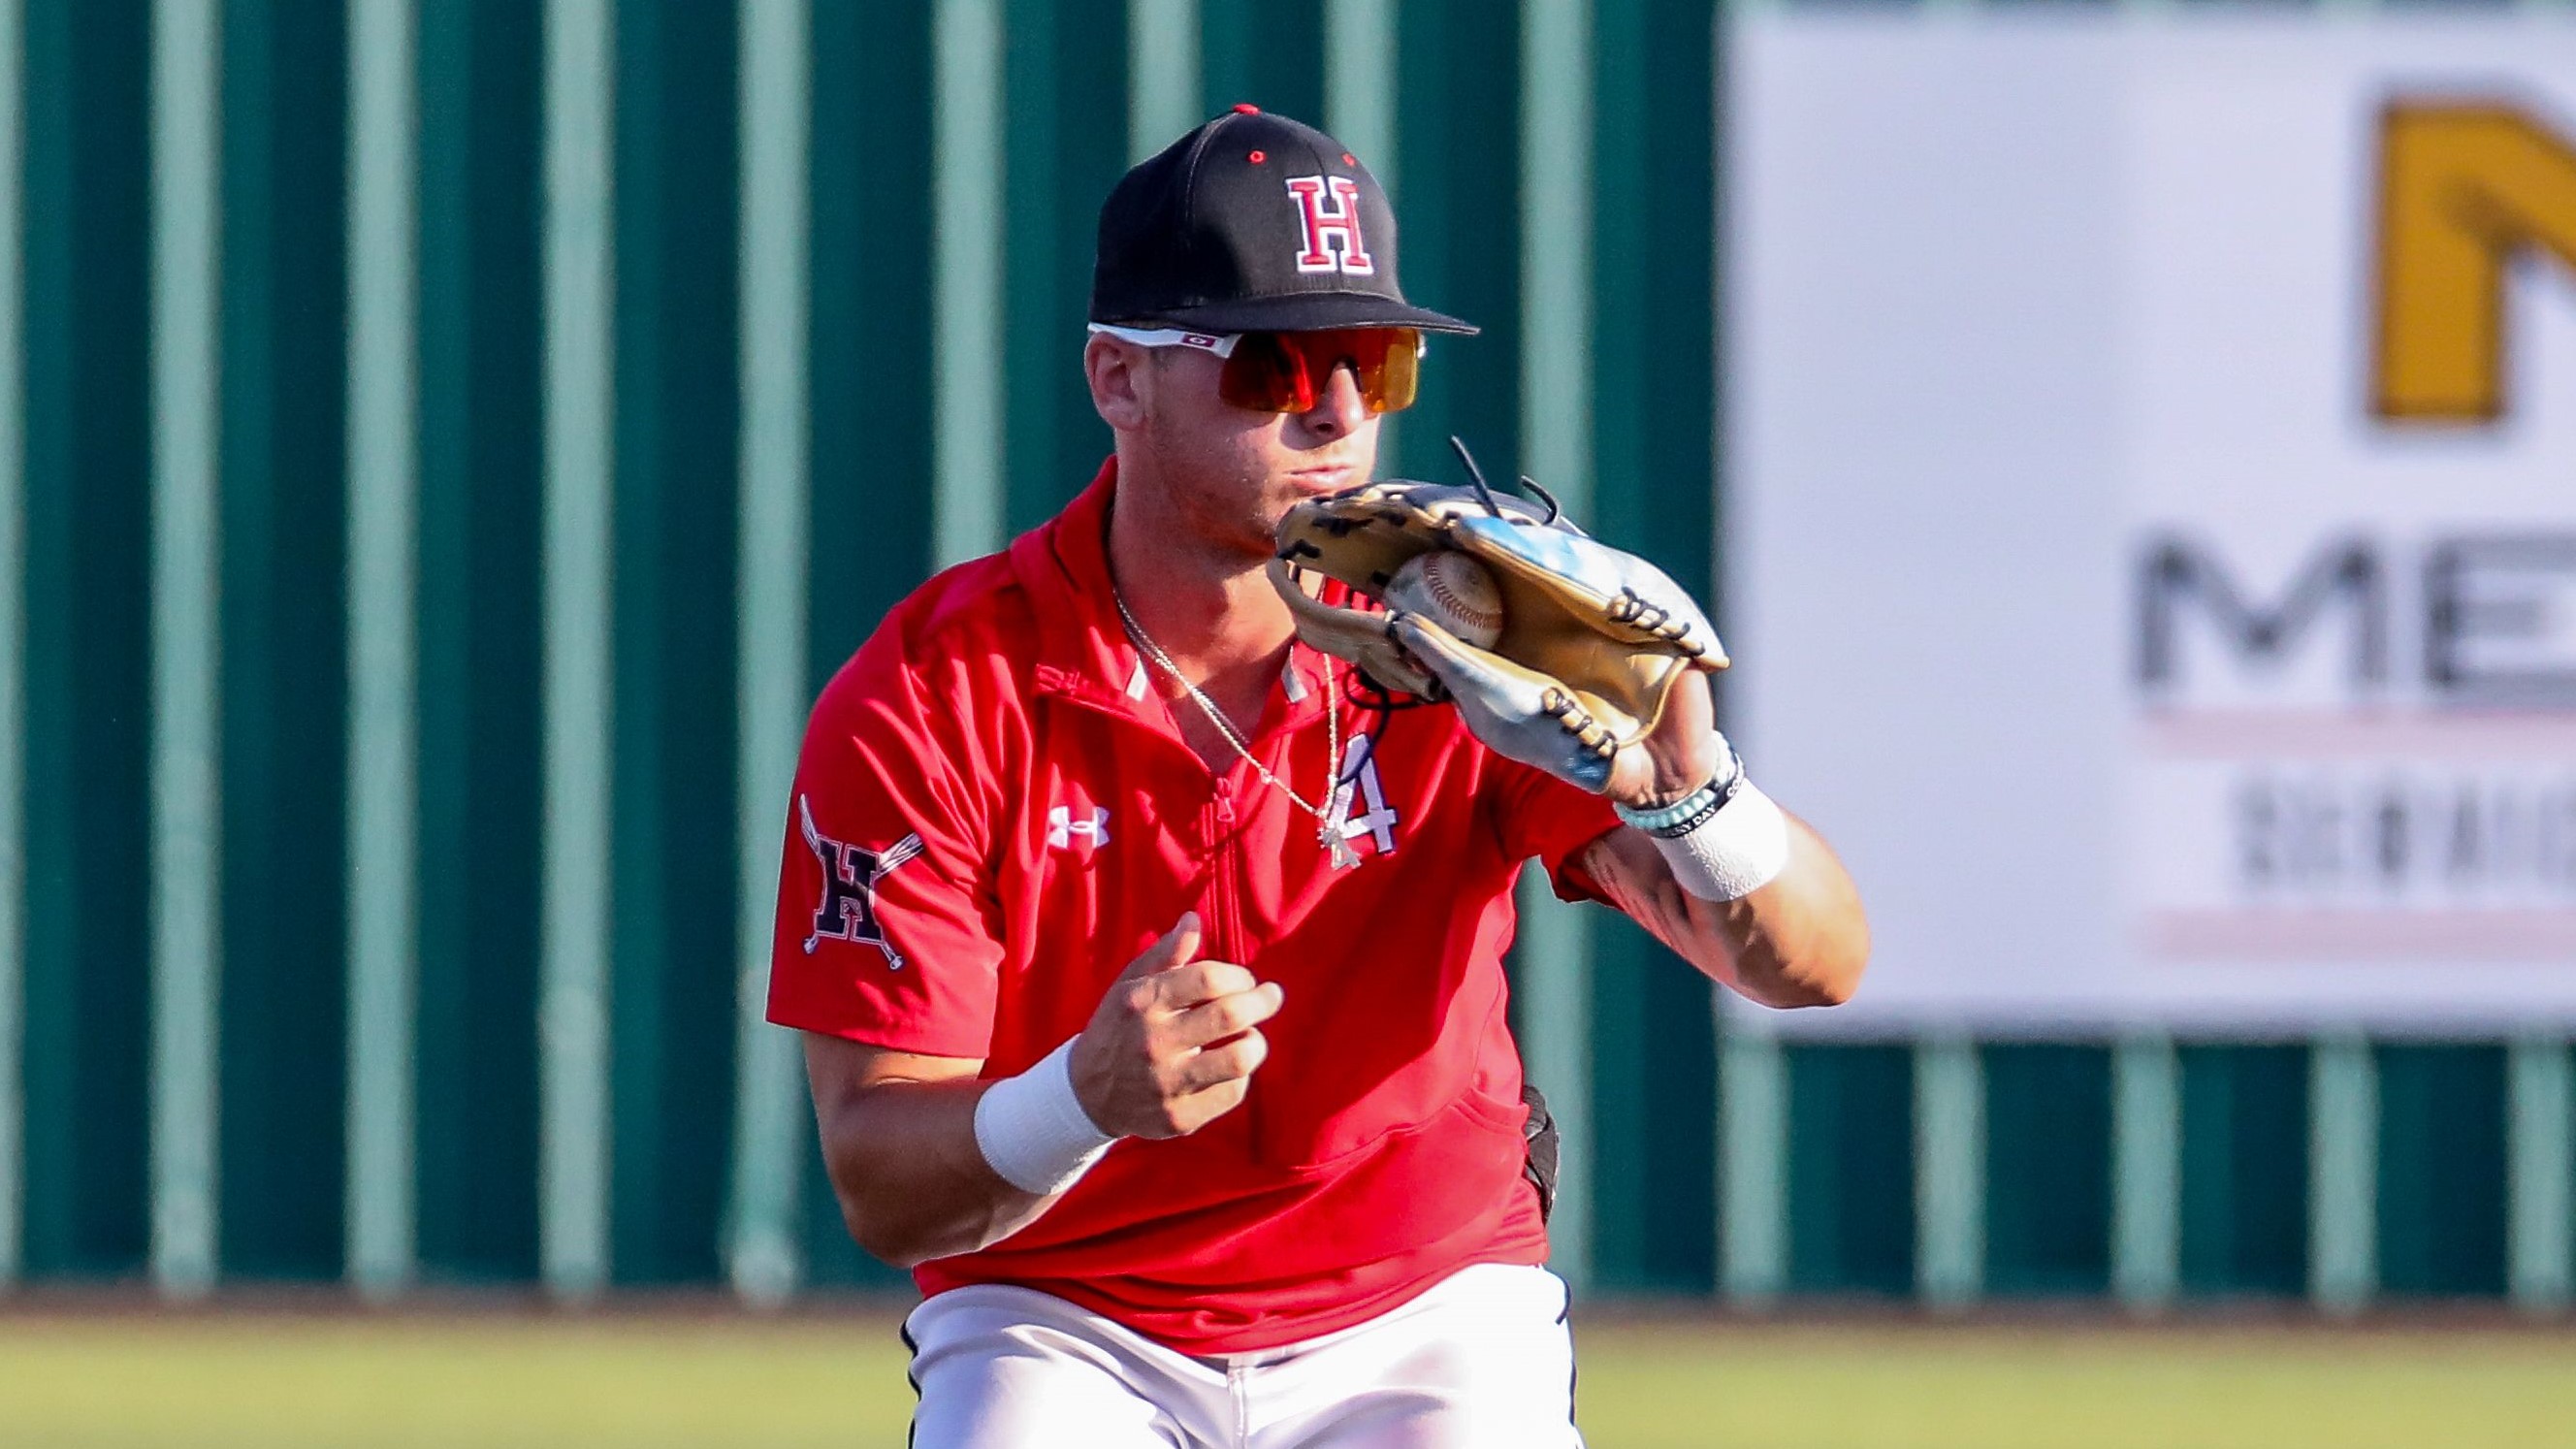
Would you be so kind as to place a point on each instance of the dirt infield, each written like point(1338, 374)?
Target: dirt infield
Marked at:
point(99, 1374)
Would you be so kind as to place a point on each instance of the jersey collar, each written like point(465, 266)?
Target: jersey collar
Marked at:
point(1064, 566)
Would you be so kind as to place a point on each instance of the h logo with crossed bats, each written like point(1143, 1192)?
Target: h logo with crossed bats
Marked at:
point(847, 910)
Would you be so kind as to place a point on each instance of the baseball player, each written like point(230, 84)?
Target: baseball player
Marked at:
point(1150, 959)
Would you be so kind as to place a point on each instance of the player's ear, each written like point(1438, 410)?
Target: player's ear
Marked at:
point(1117, 372)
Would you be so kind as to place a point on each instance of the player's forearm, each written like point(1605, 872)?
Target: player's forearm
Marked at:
point(1800, 940)
point(911, 1181)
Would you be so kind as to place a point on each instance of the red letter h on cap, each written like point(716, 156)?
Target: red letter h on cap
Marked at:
point(1340, 224)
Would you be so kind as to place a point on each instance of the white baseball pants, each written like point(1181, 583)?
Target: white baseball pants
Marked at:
point(1483, 1360)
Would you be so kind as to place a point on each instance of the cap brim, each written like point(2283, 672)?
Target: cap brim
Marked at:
point(1314, 312)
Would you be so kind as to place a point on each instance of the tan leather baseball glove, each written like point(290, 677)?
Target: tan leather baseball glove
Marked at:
point(1593, 639)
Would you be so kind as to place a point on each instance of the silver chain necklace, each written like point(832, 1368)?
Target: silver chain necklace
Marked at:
point(1329, 830)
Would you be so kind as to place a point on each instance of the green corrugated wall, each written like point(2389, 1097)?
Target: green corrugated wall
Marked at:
point(283, 353)
point(85, 289)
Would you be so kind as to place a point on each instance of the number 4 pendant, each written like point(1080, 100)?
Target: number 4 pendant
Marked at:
point(1344, 858)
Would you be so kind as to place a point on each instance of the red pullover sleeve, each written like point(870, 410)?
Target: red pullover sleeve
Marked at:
point(888, 929)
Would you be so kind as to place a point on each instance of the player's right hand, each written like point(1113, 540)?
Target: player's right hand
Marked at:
point(1175, 1041)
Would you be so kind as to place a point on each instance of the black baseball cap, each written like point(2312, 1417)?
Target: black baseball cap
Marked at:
point(1252, 223)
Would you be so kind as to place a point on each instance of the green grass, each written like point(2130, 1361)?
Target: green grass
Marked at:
point(213, 1382)
point(2071, 1387)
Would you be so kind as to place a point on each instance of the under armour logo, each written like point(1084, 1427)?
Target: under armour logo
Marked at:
point(847, 907)
point(1331, 233)
point(1063, 830)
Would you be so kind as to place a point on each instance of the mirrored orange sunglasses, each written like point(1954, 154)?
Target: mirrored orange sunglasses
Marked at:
point(1286, 372)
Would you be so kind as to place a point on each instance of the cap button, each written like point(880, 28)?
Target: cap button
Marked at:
point(1246, 108)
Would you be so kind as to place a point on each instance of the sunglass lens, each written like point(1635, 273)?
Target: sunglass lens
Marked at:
point(1287, 372)
point(1266, 375)
point(1388, 382)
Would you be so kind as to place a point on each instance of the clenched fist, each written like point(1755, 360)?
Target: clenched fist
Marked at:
point(1175, 1041)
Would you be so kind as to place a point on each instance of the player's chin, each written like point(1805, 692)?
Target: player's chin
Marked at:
point(1281, 496)
point(1258, 542)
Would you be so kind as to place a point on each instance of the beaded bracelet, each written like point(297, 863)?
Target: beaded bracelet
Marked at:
point(1679, 818)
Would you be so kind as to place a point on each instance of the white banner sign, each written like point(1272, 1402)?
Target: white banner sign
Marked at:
point(2151, 519)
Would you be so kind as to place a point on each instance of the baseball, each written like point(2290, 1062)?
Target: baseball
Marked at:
point(1453, 591)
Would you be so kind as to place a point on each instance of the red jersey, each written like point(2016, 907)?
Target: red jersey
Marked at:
point(995, 813)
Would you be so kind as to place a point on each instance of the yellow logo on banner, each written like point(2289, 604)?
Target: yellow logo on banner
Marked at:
point(2463, 190)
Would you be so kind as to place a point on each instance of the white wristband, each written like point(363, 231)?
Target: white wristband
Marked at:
point(1032, 1128)
point(1734, 852)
